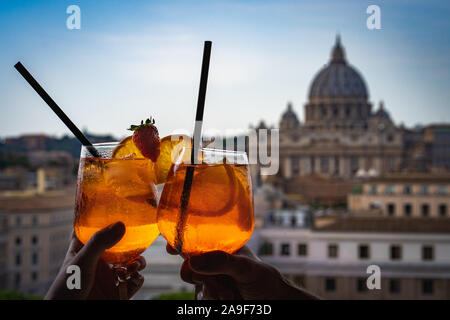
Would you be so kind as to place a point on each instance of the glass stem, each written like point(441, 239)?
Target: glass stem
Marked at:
point(122, 275)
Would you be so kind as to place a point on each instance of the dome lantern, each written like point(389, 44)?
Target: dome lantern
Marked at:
point(338, 54)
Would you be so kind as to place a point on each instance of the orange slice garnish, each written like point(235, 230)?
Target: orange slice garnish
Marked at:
point(126, 149)
point(170, 149)
point(214, 191)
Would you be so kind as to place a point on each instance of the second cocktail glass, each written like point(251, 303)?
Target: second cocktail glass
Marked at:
point(219, 212)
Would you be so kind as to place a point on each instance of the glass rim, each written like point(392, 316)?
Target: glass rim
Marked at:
point(237, 152)
point(105, 144)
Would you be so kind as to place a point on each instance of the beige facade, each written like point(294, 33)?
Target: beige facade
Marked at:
point(332, 258)
point(415, 195)
point(34, 239)
point(352, 288)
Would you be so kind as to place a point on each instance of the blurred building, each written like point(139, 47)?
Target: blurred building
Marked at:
point(343, 137)
point(330, 256)
point(30, 142)
point(14, 178)
point(408, 195)
point(35, 232)
point(17, 179)
point(437, 137)
point(341, 132)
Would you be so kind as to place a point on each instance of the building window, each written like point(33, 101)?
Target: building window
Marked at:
point(324, 164)
point(373, 189)
point(427, 286)
point(407, 190)
point(374, 206)
point(332, 251)
point(266, 249)
point(390, 163)
point(34, 239)
point(34, 258)
point(407, 209)
point(18, 221)
point(424, 190)
point(347, 110)
point(336, 165)
point(312, 164)
point(391, 209)
point(442, 210)
point(427, 253)
point(363, 251)
point(34, 276)
point(302, 249)
point(354, 164)
point(441, 190)
point(394, 286)
point(425, 210)
point(18, 259)
point(390, 190)
point(17, 279)
point(361, 285)
point(35, 220)
point(323, 111)
point(285, 249)
point(335, 111)
point(18, 241)
point(396, 252)
point(295, 165)
point(330, 284)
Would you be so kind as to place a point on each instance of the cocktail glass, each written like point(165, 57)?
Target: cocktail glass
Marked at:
point(113, 189)
point(218, 212)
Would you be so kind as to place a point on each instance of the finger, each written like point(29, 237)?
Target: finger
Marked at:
point(171, 250)
point(238, 267)
point(137, 265)
point(246, 252)
point(187, 275)
point(134, 284)
point(74, 246)
point(102, 240)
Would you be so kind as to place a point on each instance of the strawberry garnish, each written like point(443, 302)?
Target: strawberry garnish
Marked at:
point(146, 138)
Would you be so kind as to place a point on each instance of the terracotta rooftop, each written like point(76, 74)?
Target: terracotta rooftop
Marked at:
point(37, 202)
point(386, 225)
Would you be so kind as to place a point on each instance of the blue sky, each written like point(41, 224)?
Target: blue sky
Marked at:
point(132, 59)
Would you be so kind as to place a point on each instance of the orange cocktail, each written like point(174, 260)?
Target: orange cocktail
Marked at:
point(113, 188)
point(219, 211)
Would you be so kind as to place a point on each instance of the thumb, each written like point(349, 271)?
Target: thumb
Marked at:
point(102, 240)
point(239, 268)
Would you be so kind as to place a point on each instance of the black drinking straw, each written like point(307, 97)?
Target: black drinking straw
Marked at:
point(52, 104)
point(196, 143)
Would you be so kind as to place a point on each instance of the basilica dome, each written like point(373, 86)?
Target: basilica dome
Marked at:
point(338, 79)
